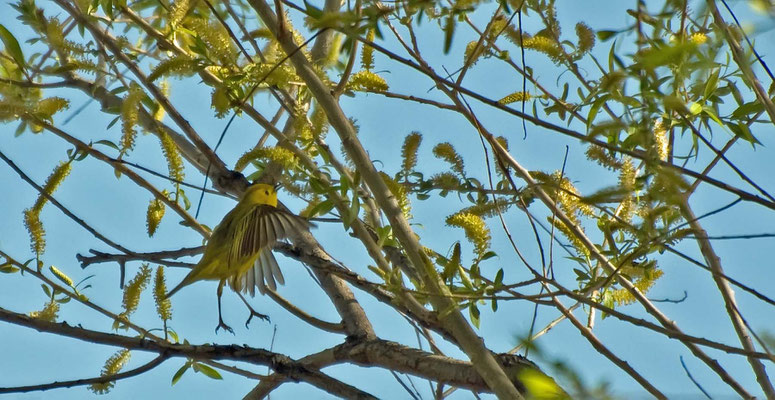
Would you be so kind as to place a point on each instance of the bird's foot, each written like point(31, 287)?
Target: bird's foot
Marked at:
point(223, 325)
point(254, 313)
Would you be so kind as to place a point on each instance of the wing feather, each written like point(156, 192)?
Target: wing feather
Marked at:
point(257, 231)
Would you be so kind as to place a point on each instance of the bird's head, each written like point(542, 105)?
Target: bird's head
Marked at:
point(260, 193)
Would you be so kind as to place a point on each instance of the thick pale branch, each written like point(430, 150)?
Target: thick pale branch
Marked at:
point(729, 298)
point(471, 343)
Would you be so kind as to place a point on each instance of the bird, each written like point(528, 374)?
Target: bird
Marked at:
point(239, 250)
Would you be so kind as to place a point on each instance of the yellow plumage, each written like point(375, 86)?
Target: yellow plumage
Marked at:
point(239, 250)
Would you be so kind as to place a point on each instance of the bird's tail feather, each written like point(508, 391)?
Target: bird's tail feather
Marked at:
point(185, 282)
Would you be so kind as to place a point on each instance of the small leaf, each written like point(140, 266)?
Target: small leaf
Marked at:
point(473, 312)
point(352, 213)
point(180, 372)
point(453, 264)
point(312, 11)
point(498, 278)
point(208, 371)
point(108, 143)
point(711, 84)
point(12, 46)
point(488, 255)
point(321, 208)
point(606, 34)
point(449, 32)
point(7, 268)
point(741, 130)
point(378, 272)
point(748, 109)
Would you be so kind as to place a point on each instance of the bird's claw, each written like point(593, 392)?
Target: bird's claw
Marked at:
point(223, 325)
point(256, 314)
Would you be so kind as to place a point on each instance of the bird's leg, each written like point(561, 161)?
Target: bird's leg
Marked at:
point(253, 313)
point(221, 324)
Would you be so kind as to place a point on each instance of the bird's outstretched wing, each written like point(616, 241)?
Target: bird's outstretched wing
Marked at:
point(257, 231)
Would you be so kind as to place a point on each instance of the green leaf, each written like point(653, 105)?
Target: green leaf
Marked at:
point(606, 34)
point(453, 264)
point(711, 84)
point(741, 130)
point(12, 46)
point(7, 268)
point(449, 32)
point(321, 208)
point(488, 255)
point(473, 312)
point(746, 109)
point(352, 213)
point(383, 233)
point(378, 272)
point(599, 102)
point(312, 11)
point(498, 278)
point(46, 289)
point(712, 114)
point(181, 371)
point(208, 371)
point(108, 143)
point(581, 275)
point(695, 108)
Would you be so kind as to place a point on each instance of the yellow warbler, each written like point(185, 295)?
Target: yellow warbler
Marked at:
point(239, 250)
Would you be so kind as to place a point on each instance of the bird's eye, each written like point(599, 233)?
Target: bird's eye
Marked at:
point(266, 192)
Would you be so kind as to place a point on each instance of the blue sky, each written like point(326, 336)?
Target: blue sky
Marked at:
point(117, 209)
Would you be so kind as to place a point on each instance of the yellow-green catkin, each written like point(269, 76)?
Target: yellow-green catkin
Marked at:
point(644, 284)
point(661, 141)
point(134, 289)
point(47, 107)
point(399, 191)
point(367, 81)
point(319, 121)
point(172, 155)
point(515, 97)
point(130, 111)
point(52, 183)
point(367, 54)
point(603, 157)
point(446, 181)
point(36, 231)
point(698, 38)
point(586, 39)
point(163, 304)
point(279, 155)
point(112, 366)
point(178, 11)
point(164, 88)
point(49, 312)
point(627, 176)
point(215, 37)
point(154, 215)
point(474, 50)
point(61, 276)
point(475, 230)
point(409, 151)
point(32, 215)
point(543, 44)
point(447, 152)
